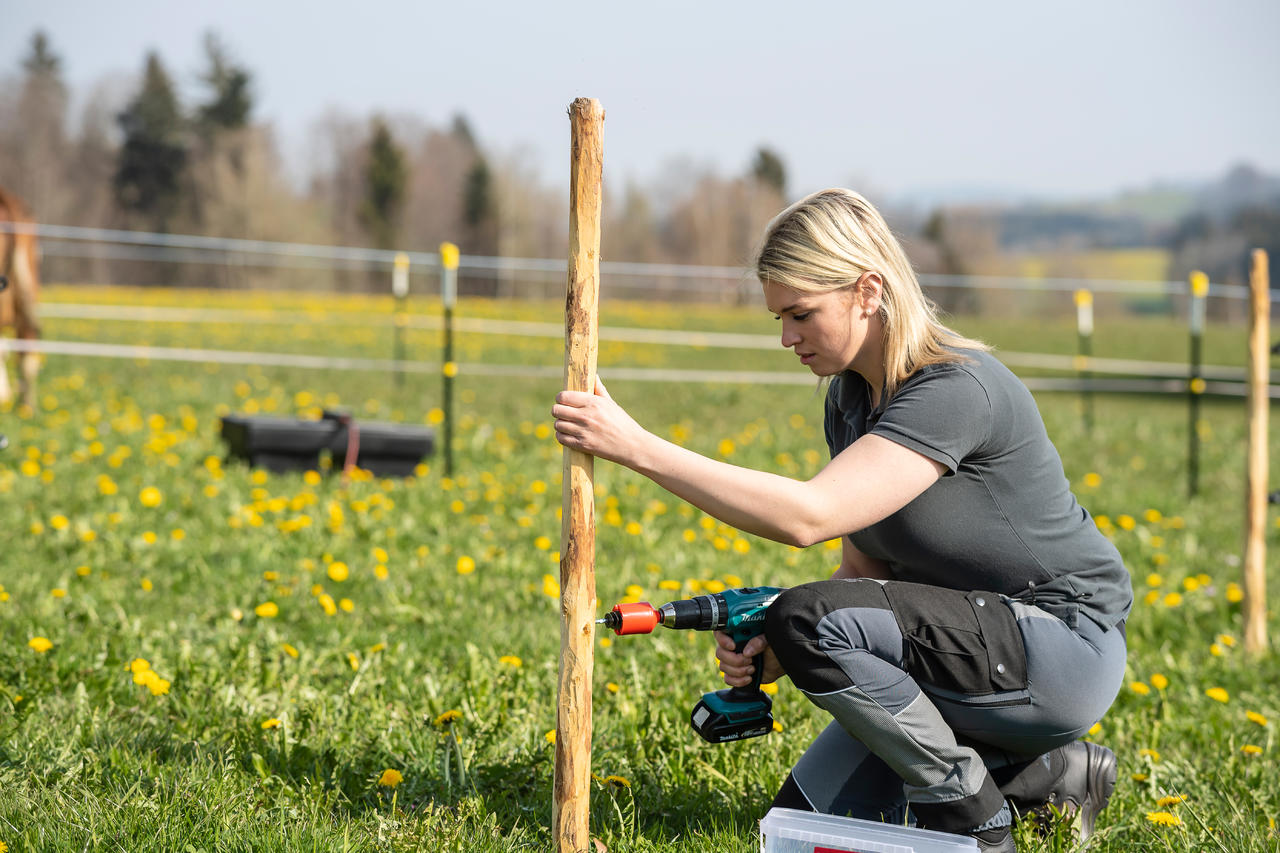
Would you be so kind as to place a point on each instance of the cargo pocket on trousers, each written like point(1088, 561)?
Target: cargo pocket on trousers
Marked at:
point(967, 642)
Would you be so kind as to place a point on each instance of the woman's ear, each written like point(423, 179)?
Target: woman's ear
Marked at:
point(870, 292)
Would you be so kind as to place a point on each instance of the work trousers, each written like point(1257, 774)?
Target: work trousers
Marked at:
point(932, 688)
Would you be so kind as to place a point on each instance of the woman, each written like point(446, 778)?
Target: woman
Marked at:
point(975, 627)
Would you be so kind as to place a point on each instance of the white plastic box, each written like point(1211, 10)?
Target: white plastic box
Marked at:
point(792, 831)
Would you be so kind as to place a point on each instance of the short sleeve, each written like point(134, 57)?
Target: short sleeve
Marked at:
point(943, 413)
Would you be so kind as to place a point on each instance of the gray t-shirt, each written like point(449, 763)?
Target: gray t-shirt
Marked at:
point(1002, 518)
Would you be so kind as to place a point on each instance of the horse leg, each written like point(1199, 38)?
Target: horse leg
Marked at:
point(6, 393)
point(28, 367)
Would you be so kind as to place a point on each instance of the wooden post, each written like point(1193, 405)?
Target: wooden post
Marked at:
point(1084, 337)
point(578, 523)
point(1255, 548)
point(400, 290)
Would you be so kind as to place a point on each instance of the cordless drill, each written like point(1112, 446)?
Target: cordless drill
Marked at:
point(734, 713)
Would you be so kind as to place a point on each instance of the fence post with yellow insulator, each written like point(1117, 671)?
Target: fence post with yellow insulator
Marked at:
point(1195, 382)
point(449, 257)
point(400, 318)
point(1084, 334)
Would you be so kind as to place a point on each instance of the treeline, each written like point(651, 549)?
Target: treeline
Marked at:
point(145, 160)
point(213, 167)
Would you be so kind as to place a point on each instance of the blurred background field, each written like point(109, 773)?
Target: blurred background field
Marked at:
point(235, 660)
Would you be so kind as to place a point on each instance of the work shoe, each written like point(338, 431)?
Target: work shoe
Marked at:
point(997, 840)
point(1080, 778)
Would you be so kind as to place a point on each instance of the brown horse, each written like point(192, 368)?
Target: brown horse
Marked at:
point(18, 300)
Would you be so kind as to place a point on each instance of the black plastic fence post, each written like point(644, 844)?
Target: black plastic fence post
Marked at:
point(449, 369)
point(1199, 290)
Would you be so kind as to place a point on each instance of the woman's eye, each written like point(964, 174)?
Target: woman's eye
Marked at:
point(802, 317)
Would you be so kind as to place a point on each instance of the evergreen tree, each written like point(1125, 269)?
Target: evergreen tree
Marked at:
point(769, 170)
point(42, 62)
point(477, 195)
point(386, 180)
point(230, 91)
point(150, 169)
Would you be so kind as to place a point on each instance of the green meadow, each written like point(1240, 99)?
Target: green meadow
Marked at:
point(195, 655)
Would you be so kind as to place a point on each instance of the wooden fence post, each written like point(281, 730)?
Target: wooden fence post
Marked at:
point(577, 528)
point(1255, 548)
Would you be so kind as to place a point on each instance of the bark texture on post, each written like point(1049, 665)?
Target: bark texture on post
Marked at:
point(1255, 548)
point(578, 525)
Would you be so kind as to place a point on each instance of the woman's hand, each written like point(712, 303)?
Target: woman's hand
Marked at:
point(739, 667)
point(595, 424)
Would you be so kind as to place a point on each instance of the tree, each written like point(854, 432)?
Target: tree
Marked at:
point(149, 174)
point(230, 100)
point(386, 179)
point(768, 169)
point(34, 145)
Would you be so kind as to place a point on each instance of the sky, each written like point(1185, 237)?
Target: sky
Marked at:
point(913, 100)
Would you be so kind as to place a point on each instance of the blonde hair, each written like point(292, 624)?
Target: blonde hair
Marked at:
point(827, 241)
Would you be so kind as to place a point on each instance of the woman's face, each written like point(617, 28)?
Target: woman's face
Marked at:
point(828, 331)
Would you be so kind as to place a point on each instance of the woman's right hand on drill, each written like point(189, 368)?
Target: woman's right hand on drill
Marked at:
point(738, 667)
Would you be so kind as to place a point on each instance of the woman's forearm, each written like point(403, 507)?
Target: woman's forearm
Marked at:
point(757, 502)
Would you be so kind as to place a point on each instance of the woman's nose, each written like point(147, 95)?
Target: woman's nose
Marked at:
point(789, 337)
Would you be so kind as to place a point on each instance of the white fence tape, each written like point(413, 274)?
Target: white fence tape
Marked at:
point(1177, 383)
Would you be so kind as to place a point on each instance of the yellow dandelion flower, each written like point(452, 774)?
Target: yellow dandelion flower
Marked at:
point(633, 528)
point(726, 447)
point(327, 603)
point(271, 723)
point(58, 593)
point(1216, 650)
point(1126, 522)
point(40, 644)
point(146, 585)
point(338, 571)
point(1095, 730)
point(617, 781)
point(157, 685)
point(542, 543)
point(1153, 516)
point(1165, 802)
point(289, 650)
point(150, 497)
point(1138, 777)
point(1251, 749)
point(1235, 594)
point(138, 665)
point(612, 687)
point(1173, 599)
point(1227, 640)
point(466, 565)
point(1218, 694)
point(1255, 717)
point(448, 718)
point(59, 522)
point(1152, 596)
point(83, 571)
point(1164, 819)
point(346, 605)
point(771, 689)
point(550, 586)
point(1159, 681)
point(1154, 579)
point(267, 610)
point(1149, 753)
point(550, 737)
point(606, 642)
point(511, 660)
point(353, 661)
point(149, 537)
point(1140, 688)
point(390, 778)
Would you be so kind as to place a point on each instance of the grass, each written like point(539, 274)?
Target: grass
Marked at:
point(127, 536)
